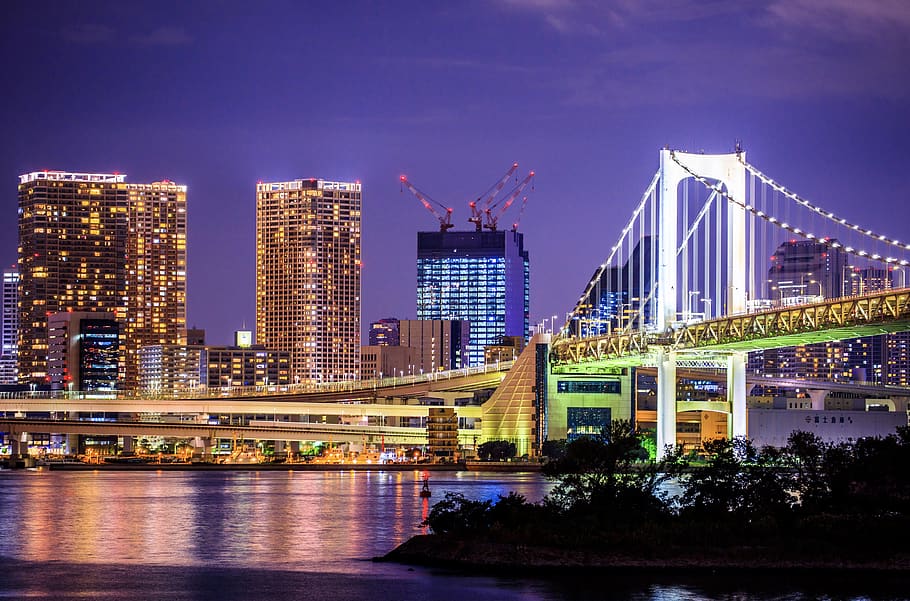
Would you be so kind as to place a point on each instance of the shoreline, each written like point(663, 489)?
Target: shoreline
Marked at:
point(303, 467)
point(430, 550)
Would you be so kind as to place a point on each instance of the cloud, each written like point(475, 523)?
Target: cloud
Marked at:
point(596, 17)
point(660, 74)
point(163, 36)
point(863, 18)
point(88, 33)
point(93, 33)
point(458, 63)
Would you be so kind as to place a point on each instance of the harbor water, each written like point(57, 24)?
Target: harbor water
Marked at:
point(273, 535)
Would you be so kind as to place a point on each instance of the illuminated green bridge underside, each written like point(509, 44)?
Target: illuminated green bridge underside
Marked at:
point(838, 319)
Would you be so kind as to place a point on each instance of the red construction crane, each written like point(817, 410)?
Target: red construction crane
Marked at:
point(478, 207)
point(445, 221)
point(493, 220)
point(524, 203)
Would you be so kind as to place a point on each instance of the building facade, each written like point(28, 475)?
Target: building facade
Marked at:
point(231, 366)
point(479, 277)
point(9, 326)
point(803, 268)
point(93, 242)
point(804, 271)
point(155, 272)
point(384, 332)
point(382, 361)
point(437, 344)
point(308, 276)
point(83, 351)
point(170, 367)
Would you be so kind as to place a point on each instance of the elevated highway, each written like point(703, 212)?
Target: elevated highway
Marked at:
point(257, 430)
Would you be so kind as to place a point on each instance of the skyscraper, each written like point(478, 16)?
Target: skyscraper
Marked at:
point(93, 242)
point(9, 325)
point(155, 282)
point(481, 277)
point(308, 276)
point(801, 268)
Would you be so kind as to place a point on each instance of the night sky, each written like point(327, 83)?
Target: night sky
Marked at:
point(219, 95)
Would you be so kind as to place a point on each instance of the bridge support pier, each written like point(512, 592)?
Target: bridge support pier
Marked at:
point(666, 401)
point(18, 442)
point(818, 399)
point(205, 444)
point(737, 424)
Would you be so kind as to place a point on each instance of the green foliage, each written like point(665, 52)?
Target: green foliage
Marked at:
point(739, 482)
point(457, 514)
point(554, 449)
point(609, 472)
point(496, 450)
point(809, 497)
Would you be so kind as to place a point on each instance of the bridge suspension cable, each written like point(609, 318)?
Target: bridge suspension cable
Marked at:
point(822, 212)
point(784, 225)
point(615, 259)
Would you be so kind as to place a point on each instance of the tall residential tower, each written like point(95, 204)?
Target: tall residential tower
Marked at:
point(308, 276)
point(93, 242)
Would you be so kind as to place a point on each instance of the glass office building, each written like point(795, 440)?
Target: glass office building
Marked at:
point(481, 277)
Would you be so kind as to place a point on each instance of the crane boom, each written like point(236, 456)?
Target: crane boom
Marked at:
point(524, 203)
point(493, 220)
point(445, 221)
point(478, 207)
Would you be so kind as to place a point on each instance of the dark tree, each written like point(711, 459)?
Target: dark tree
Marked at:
point(496, 450)
point(554, 449)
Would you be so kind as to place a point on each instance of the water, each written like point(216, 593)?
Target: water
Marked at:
point(270, 535)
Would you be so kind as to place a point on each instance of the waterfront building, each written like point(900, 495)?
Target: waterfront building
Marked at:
point(83, 351)
point(155, 271)
point(379, 361)
point(896, 359)
point(9, 325)
point(308, 276)
point(508, 349)
point(170, 367)
point(803, 268)
point(384, 332)
point(805, 271)
point(438, 344)
point(93, 242)
point(442, 433)
point(252, 365)
point(479, 277)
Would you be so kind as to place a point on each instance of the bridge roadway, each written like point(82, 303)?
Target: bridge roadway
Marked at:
point(830, 320)
point(257, 430)
point(462, 380)
point(867, 388)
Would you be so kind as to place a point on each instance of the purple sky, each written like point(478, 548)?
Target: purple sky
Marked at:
point(218, 95)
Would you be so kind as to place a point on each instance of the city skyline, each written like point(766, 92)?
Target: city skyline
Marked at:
point(583, 94)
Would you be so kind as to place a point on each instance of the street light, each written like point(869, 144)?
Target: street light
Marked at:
point(900, 270)
point(707, 302)
point(689, 311)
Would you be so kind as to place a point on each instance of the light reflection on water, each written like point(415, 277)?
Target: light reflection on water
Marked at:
point(273, 535)
point(324, 521)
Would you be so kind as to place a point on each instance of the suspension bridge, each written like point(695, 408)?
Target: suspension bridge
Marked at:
point(690, 280)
